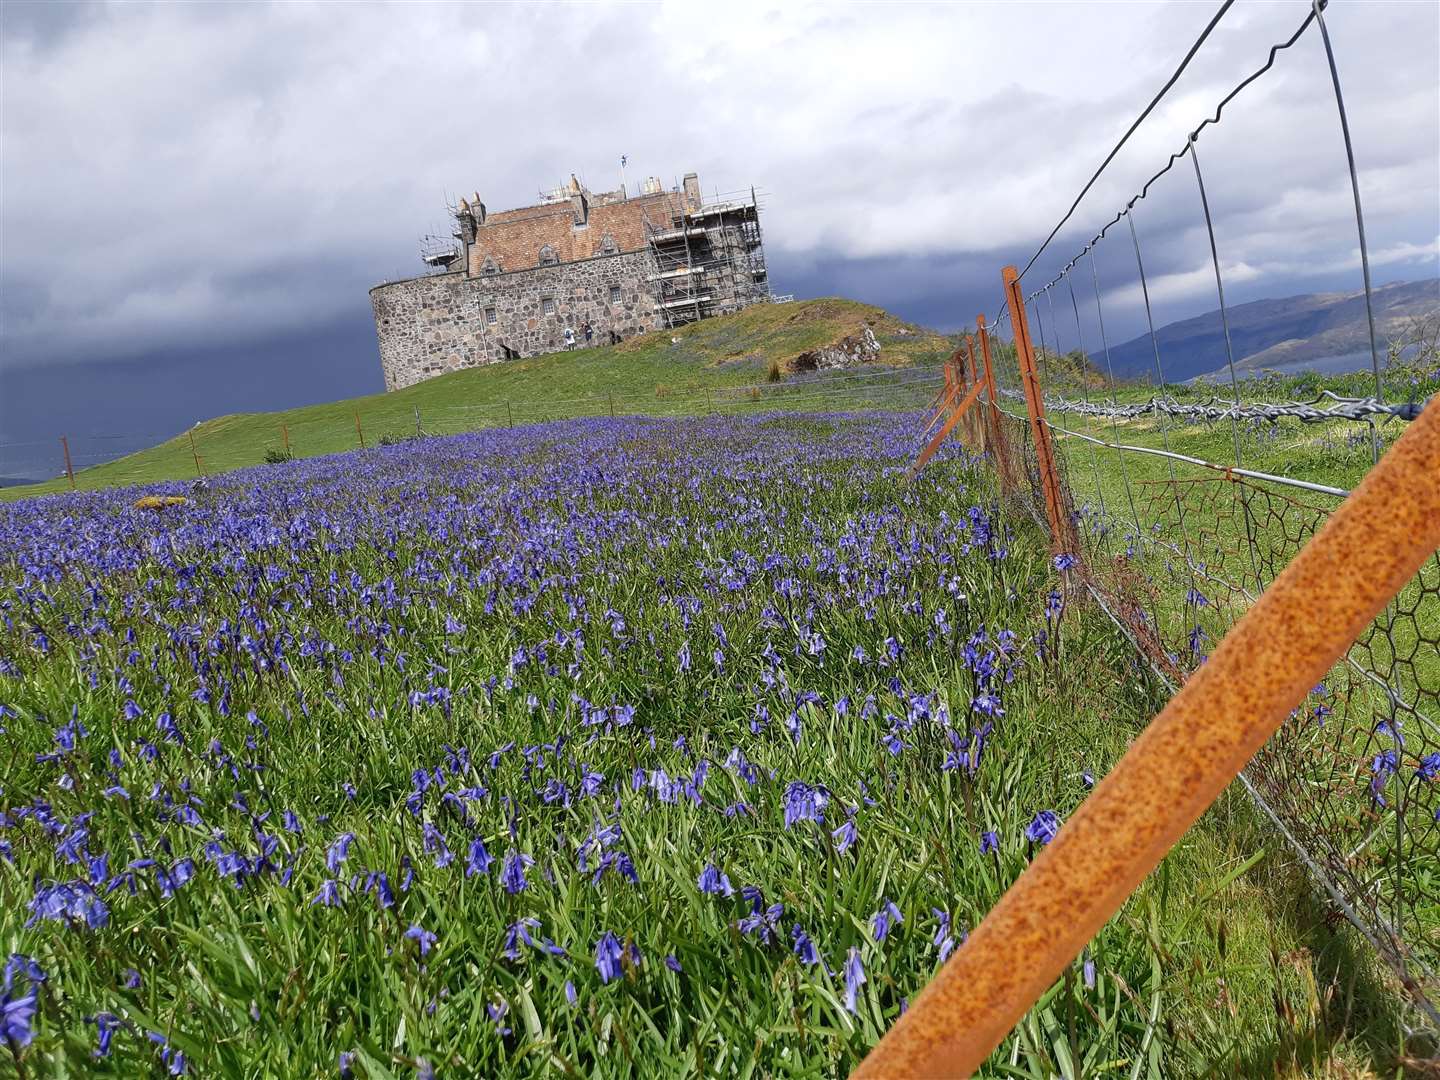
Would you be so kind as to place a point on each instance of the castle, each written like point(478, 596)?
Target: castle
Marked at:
point(509, 284)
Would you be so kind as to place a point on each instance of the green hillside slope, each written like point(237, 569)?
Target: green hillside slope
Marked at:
point(736, 362)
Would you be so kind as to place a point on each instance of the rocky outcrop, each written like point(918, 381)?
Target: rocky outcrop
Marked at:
point(847, 352)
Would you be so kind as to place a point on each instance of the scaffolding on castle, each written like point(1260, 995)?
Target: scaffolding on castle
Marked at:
point(708, 260)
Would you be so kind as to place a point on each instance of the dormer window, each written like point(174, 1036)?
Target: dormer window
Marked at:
point(607, 245)
point(489, 267)
point(548, 256)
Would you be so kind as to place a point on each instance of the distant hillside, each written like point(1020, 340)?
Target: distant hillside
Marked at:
point(1268, 333)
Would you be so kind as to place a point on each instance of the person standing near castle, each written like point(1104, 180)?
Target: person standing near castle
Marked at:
point(569, 338)
point(589, 333)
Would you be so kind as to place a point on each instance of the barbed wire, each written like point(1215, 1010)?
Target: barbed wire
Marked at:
point(1194, 48)
point(1362, 409)
point(1191, 137)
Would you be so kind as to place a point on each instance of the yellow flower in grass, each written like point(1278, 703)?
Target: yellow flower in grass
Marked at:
point(159, 502)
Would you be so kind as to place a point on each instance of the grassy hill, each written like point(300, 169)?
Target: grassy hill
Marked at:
point(738, 362)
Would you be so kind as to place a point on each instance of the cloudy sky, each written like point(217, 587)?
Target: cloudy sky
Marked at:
point(194, 198)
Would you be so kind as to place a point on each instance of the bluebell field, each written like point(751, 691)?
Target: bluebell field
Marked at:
point(603, 747)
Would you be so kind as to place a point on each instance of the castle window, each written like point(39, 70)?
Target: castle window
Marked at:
point(548, 256)
point(607, 245)
point(614, 294)
point(547, 305)
point(489, 267)
point(490, 315)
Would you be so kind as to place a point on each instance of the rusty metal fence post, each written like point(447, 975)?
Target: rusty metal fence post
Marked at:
point(1265, 666)
point(69, 468)
point(199, 469)
point(956, 414)
point(974, 430)
point(998, 446)
point(1062, 532)
point(946, 397)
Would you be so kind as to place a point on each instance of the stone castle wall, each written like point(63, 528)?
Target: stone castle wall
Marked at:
point(438, 323)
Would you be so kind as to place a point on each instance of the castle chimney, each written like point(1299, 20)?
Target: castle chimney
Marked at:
point(478, 209)
point(466, 221)
point(580, 207)
point(692, 191)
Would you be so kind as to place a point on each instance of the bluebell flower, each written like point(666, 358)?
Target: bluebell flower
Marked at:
point(497, 1010)
point(854, 977)
point(803, 947)
point(74, 902)
point(479, 859)
point(329, 894)
point(607, 957)
point(173, 1059)
point(338, 852)
point(1043, 828)
point(884, 919)
point(943, 941)
point(106, 1024)
point(989, 841)
point(845, 836)
point(512, 874)
point(673, 964)
point(804, 803)
point(715, 882)
point(517, 932)
point(18, 1004)
point(1383, 766)
point(422, 937)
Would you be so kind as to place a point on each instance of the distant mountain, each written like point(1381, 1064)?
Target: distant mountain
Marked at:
point(1269, 333)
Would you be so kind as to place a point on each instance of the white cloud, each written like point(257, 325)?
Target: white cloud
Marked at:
point(1192, 284)
point(181, 174)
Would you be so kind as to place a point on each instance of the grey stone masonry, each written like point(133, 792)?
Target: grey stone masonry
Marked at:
point(443, 322)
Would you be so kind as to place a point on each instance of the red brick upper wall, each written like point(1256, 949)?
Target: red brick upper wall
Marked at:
point(513, 238)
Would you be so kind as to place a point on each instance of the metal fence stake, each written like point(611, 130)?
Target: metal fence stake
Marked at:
point(1265, 666)
point(956, 414)
point(69, 469)
point(992, 413)
point(1061, 531)
point(199, 471)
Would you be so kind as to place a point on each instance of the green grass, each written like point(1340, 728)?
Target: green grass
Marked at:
point(717, 365)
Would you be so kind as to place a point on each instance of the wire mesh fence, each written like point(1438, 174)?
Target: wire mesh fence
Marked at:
point(1181, 504)
point(1178, 547)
